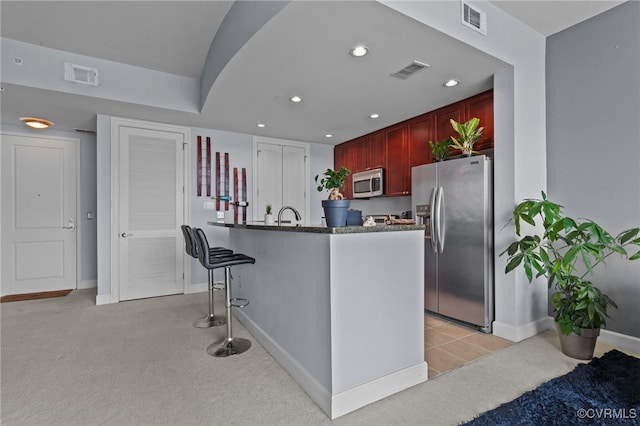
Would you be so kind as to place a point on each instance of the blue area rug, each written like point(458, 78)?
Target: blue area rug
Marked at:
point(605, 391)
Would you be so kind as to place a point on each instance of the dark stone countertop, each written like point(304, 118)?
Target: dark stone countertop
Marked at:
point(317, 229)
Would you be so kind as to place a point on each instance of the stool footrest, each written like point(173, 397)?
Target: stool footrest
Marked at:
point(238, 302)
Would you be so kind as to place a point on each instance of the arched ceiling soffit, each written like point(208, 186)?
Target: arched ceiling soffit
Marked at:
point(243, 21)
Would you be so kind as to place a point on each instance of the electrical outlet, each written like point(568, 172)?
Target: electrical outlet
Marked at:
point(219, 215)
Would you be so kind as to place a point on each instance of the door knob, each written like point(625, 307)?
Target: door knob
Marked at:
point(125, 235)
point(71, 225)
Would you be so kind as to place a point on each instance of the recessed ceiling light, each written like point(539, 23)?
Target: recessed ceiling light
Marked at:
point(374, 115)
point(451, 83)
point(295, 99)
point(359, 51)
point(261, 125)
point(328, 135)
point(36, 123)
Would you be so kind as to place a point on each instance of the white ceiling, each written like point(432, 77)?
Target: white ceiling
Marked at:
point(302, 50)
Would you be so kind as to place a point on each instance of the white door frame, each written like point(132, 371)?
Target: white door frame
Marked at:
point(116, 123)
point(78, 231)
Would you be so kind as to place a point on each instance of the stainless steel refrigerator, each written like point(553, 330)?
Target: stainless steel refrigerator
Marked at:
point(454, 199)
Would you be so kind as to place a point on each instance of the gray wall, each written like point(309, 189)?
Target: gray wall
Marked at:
point(593, 138)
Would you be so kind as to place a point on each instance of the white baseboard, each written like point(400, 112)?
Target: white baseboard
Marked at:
point(522, 332)
point(88, 284)
point(339, 404)
point(375, 390)
point(621, 341)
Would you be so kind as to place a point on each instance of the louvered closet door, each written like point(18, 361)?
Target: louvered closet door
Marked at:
point(150, 213)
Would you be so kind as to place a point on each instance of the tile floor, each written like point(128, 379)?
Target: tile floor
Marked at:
point(449, 345)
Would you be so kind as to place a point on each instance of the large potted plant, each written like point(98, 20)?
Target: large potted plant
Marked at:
point(335, 206)
point(566, 254)
point(468, 134)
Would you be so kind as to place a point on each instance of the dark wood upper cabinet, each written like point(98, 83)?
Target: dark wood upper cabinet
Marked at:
point(442, 119)
point(397, 172)
point(345, 155)
point(481, 106)
point(370, 151)
point(421, 131)
point(402, 146)
point(377, 150)
point(362, 153)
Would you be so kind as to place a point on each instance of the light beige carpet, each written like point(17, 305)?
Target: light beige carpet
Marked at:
point(66, 361)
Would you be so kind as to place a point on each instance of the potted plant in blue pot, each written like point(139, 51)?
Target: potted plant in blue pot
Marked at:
point(566, 254)
point(335, 206)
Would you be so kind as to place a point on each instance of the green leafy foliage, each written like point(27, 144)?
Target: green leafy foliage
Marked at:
point(468, 134)
point(440, 149)
point(332, 179)
point(268, 209)
point(566, 254)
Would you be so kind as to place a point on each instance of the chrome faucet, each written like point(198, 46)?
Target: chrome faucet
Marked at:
point(298, 217)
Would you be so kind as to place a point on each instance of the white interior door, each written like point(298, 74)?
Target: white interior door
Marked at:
point(281, 177)
point(294, 183)
point(269, 178)
point(150, 213)
point(38, 214)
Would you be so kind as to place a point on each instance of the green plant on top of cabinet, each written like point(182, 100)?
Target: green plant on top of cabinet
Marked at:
point(440, 149)
point(468, 134)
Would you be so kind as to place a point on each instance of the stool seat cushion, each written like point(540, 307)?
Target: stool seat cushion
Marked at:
point(230, 260)
point(217, 261)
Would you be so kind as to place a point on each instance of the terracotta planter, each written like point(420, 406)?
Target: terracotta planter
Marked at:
point(579, 347)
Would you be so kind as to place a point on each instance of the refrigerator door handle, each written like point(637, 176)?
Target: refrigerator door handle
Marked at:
point(432, 221)
point(441, 214)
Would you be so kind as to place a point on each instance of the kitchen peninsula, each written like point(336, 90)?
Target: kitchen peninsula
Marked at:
point(341, 309)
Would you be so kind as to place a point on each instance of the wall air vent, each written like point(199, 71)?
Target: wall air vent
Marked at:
point(473, 17)
point(409, 70)
point(80, 74)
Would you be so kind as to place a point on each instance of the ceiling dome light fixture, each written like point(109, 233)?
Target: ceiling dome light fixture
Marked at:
point(374, 115)
point(295, 99)
point(328, 135)
point(261, 125)
point(36, 123)
point(451, 83)
point(359, 51)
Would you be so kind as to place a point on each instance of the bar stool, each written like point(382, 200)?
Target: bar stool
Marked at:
point(191, 248)
point(231, 345)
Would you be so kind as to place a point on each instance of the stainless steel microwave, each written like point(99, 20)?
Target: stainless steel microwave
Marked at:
point(369, 183)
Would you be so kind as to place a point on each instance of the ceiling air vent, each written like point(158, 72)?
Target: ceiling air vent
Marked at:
point(474, 18)
point(409, 70)
point(80, 74)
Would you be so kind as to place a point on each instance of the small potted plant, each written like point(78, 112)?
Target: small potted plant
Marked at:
point(440, 149)
point(566, 255)
point(335, 206)
point(468, 134)
point(268, 215)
